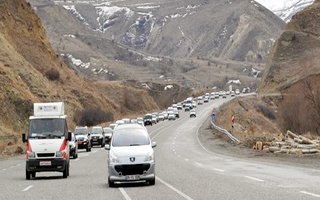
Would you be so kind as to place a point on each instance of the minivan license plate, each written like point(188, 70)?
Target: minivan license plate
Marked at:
point(132, 178)
point(45, 163)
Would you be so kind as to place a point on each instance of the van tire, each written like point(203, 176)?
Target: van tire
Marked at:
point(65, 172)
point(28, 175)
point(111, 183)
point(33, 174)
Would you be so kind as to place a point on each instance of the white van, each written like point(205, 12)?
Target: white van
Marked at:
point(47, 140)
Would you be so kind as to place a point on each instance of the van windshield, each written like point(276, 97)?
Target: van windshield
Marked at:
point(47, 128)
point(81, 131)
point(130, 138)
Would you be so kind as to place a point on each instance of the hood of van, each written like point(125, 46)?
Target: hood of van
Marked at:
point(46, 145)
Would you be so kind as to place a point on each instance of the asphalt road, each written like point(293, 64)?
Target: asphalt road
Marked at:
point(185, 169)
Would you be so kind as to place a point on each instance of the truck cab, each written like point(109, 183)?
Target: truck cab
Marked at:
point(47, 140)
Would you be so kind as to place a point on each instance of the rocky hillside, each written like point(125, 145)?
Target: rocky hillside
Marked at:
point(239, 30)
point(289, 95)
point(30, 71)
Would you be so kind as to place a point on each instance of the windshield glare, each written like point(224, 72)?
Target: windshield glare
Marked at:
point(47, 128)
point(131, 137)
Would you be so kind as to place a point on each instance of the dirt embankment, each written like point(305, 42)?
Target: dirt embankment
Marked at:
point(30, 71)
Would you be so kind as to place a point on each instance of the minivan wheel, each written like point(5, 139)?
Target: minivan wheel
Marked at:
point(110, 183)
point(152, 182)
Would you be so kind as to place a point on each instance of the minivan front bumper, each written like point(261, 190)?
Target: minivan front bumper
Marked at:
point(132, 172)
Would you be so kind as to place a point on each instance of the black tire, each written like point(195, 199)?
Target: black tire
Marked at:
point(111, 183)
point(87, 148)
point(33, 174)
point(75, 156)
point(65, 172)
point(28, 175)
point(152, 182)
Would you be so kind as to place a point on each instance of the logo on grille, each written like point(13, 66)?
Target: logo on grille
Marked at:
point(132, 159)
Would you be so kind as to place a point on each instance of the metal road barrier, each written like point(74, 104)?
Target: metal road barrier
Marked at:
point(224, 131)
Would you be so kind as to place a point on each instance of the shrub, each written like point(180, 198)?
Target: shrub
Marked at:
point(92, 116)
point(53, 74)
point(266, 111)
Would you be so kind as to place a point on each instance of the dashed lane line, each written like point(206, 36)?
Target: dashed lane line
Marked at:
point(124, 194)
point(310, 194)
point(219, 170)
point(253, 178)
point(27, 188)
point(174, 189)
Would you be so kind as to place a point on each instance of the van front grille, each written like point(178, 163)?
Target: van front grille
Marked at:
point(45, 155)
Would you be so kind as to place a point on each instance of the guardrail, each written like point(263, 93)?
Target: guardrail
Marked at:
point(224, 131)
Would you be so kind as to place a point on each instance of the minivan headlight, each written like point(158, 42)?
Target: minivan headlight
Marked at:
point(149, 157)
point(113, 159)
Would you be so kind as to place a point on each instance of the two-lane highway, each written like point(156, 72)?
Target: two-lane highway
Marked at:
point(185, 169)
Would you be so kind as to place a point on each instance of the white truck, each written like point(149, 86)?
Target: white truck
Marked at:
point(47, 140)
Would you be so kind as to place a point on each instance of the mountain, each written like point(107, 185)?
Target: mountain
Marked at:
point(293, 72)
point(285, 9)
point(182, 29)
point(31, 71)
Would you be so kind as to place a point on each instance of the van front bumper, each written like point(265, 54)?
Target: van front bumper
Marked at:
point(43, 165)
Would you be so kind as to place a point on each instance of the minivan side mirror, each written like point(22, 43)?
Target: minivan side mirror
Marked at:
point(107, 147)
point(24, 138)
point(154, 144)
point(69, 136)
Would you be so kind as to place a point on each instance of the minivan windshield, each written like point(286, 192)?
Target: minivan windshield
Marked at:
point(132, 137)
point(47, 128)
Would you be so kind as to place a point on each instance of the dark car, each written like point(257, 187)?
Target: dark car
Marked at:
point(147, 120)
point(83, 138)
point(97, 136)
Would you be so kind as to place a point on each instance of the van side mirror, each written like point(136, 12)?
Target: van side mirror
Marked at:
point(24, 138)
point(69, 136)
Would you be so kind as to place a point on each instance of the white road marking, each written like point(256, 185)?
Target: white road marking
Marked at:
point(310, 194)
point(4, 169)
point(253, 178)
point(27, 188)
point(12, 167)
point(18, 165)
point(198, 164)
point(125, 194)
point(186, 159)
point(219, 170)
point(174, 189)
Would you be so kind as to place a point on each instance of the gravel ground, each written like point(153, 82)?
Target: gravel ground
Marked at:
point(217, 143)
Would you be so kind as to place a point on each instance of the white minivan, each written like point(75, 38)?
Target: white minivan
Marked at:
point(131, 155)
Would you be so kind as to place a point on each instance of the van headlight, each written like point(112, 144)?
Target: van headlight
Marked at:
point(113, 159)
point(31, 155)
point(59, 154)
point(149, 157)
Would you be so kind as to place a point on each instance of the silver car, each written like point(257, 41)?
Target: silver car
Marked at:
point(131, 155)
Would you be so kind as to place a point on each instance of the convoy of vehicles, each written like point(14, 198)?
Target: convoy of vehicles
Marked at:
point(50, 145)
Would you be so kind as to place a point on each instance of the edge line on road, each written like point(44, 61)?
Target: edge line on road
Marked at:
point(174, 189)
point(310, 194)
point(253, 178)
point(124, 194)
point(27, 188)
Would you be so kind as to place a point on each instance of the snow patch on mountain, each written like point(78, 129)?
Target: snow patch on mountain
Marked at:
point(285, 9)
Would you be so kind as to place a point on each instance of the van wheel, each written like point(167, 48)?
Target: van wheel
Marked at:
point(28, 175)
point(33, 174)
point(65, 172)
point(110, 183)
point(152, 182)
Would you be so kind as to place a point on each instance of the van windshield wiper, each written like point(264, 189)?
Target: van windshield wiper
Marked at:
point(135, 144)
